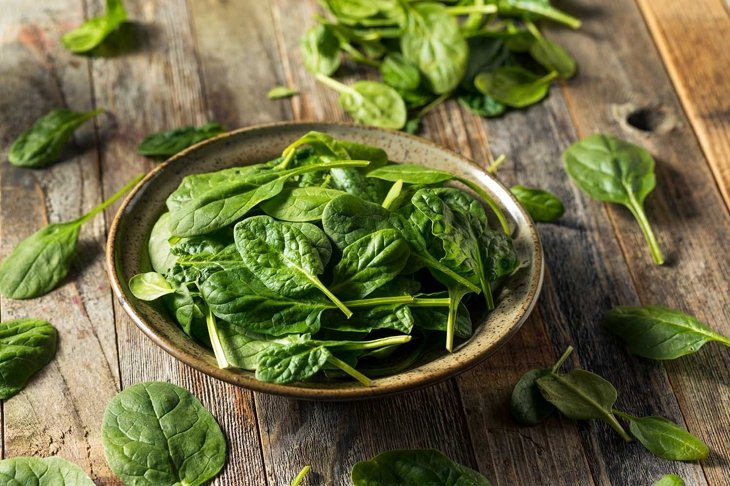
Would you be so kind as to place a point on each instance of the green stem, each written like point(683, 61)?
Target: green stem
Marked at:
point(372, 302)
point(550, 13)
point(101, 207)
point(430, 302)
point(220, 355)
point(470, 9)
point(393, 193)
point(373, 344)
point(455, 297)
point(436, 265)
point(300, 477)
point(490, 202)
point(638, 211)
point(349, 370)
point(548, 77)
point(335, 85)
point(532, 28)
point(626, 417)
point(330, 296)
point(492, 168)
point(357, 55)
point(561, 360)
point(433, 104)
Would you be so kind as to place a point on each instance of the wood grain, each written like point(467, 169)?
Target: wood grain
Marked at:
point(692, 38)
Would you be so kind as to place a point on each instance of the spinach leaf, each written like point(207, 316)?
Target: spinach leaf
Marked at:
point(482, 105)
point(320, 50)
point(369, 263)
point(158, 434)
point(26, 346)
point(432, 40)
point(612, 170)
point(92, 33)
point(39, 263)
point(485, 55)
point(292, 363)
point(352, 181)
point(414, 468)
point(550, 54)
point(669, 480)
point(539, 8)
point(281, 92)
point(658, 332)
point(434, 318)
point(241, 347)
point(666, 439)
point(348, 218)
point(300, 203)
point(582, 395)
point(370, 102)
point(168, 143)
point(282, 257)
point(399, 73)
point(543, 206)
point(300, 477)
point(158, 246)
point(397, 317)
point(36, 471)
point(149, 286)
point(527, 404)
point(229, 201)
point(41, 144)
point(323, 144)
point(514, 86)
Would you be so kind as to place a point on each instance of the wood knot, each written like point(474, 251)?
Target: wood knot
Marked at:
point(647, 119)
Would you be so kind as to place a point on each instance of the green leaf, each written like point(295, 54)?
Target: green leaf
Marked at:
point(242, 348)
point(482, 105)
point(552, 56)
point(168, 143)
point(373, 103)
point(543, 206)
point(39, 263)
point(26, 346)
point(399, 73)
point(658, 332)
point(665, 439)
point(36, 471)
point(582, 395)
point(41, 144)
point(158, 434)
point(158, 246)
point(437, 319)
point(320, 50)
point(280, 92)
point(292, 363)
point(485, 55)
point(536, 8)
point(528, 406)
point(369, 263)
point(669, 480)
point(414, 468)
point(397, 317)
point(149, 286)
point(514, 86)
point(612, 170)
point(348, 218)
point(432, 40)
point(411, 174)
point(92, 33)
point(300, 203)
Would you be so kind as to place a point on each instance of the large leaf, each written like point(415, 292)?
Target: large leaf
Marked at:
point(300, 203)
point(36, 471)
point(348, 218)
point(292, 363)
point(158, 434)
point(26, 346)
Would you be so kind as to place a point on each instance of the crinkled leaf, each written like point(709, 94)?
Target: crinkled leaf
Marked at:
point(292, 363)
point(26, 346)
point(36, 471)
point(300, 203)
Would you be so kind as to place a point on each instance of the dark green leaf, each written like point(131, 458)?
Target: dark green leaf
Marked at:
point(41, 144)
point(167, 143)
point(158, 434)
point(514, 86)
point(347, 218)
point(92, 33)
point(543, 206)
point(553, 57)
point(485, 55)
point(665, 439)
point(292, 363)
point(658, 332)
point(528, 405)
point(411, 174)
point(482, 105)
point(36, 471)
point(26, 346)
point(300, 203)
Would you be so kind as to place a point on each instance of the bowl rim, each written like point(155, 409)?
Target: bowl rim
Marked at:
point(356, 392)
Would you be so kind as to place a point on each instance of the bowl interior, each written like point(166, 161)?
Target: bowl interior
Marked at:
point(127, 254)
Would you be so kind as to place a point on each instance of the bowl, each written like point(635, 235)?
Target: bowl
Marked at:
point(127, 255)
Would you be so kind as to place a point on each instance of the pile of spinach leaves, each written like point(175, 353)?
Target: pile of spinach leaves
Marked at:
point(488, 54)
point(328, 260)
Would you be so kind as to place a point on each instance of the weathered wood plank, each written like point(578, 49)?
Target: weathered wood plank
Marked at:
point(157, 86)
point(692, 38)
point(686, 210)
point(58, 413)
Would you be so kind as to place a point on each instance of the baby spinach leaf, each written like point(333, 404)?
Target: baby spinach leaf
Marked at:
point(400, 73)
point(669, 480)
point(158, 246)
point(485, 55)
point(323, 144)
point(36, 471)
point(612, 170)
point(432, 40)
point(300, 203)
point(300, 477)
point(242, 348)
point(369, 263)
point(539, 8)
point(92, 33)
point(528, 406)
point(39, 263)
point(41, 144)
point(26, 346)
point(665, 439)
point(281, 92)
point(434, 318)
point(582, 395)
point(282, 257)
point(514, 86)
point(158, 434)
point(550, 54)
point(168, 143)
point(414, 468)
point(397, 317)
point(292, 363)
point(320, 50)
point(543, 206)
point(482, 105)
point(348, 218)
point(230, 200)
point(352, 181)
point(149, 286)
point(658, 332)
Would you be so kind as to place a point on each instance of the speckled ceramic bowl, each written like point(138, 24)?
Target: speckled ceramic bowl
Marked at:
point(127, 255)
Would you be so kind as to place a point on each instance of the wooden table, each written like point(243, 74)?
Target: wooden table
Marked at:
point(654, 72)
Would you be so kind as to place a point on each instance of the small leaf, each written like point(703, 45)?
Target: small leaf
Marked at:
point(669, 480)
point(41, 144)
point(48, 471)
point(543, 206)
point(665, 439)
point(280, 92)
point(26, 346)
point(149, 286)
point(514, 86)
point(92, 33)
point(320, 50)
point(167, 143)
point(482, 105)
point(658, 332)
point(528, 405)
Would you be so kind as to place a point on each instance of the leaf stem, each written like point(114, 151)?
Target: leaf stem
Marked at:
point(220, 355)
point(470, 9)
point(550, 13)
point(562, 359)
point(492, 168)
point(436, 265)
point(335, 85)
point(430, 302)
point(317, 283)
point(490, 202)
point(357, 55)
point(372, 344)
point(455, 296)
point(349, 370)
point(433, 104)
point(372, 302)
point(300, 477)
point(638, 211)
point(101, 207)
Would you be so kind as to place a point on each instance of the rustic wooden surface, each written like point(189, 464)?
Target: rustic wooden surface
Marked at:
point(652, 72)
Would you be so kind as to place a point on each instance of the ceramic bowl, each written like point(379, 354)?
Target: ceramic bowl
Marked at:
point(127, 255)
